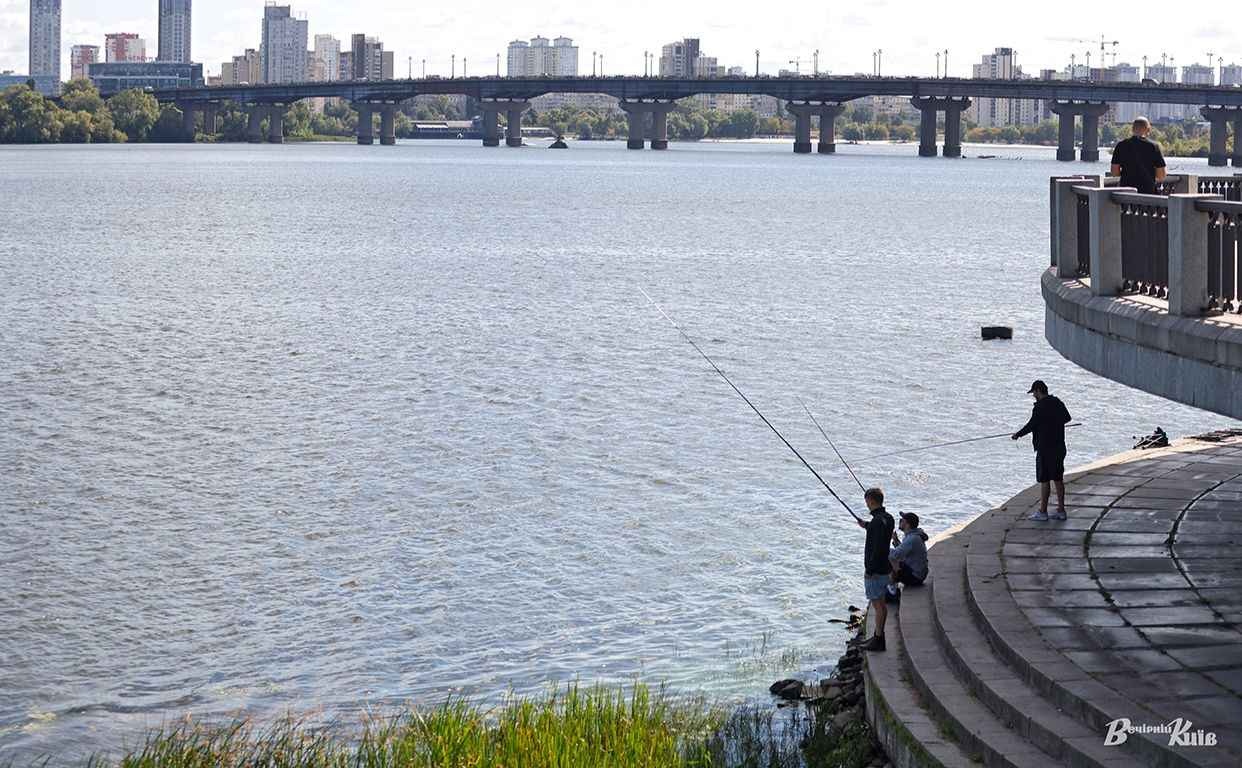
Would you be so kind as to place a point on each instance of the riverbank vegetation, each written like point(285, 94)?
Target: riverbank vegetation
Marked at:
point(584, 727)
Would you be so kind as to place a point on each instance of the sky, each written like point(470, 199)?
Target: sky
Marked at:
point(909, 33)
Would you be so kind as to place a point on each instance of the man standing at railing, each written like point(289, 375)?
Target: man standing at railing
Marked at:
point(1047, 429)
point(1138, 160)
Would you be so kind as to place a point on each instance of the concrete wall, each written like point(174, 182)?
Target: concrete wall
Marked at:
point(1196, 361)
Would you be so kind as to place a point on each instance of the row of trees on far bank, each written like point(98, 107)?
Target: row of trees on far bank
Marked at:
point(83, 117)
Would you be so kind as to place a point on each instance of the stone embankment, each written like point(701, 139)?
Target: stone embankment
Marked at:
point(1035, 644)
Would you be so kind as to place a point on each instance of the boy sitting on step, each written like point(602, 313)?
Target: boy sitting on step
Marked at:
point(908, 555)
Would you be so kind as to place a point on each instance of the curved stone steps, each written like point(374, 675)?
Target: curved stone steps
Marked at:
point(997, 684)
point(980, 731)
point(911, 735)
point(1054, 676)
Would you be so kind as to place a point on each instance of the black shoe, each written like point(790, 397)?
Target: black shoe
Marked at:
point(876, 643)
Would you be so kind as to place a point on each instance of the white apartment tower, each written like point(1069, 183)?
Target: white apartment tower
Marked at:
point(282, 54)
point(539, 57)
point(326, 60)
point(174, 31)
point(998, 113)
point(45, 38)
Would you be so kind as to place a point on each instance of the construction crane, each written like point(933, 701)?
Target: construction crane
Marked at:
point(797, 62)
point(1104, 43)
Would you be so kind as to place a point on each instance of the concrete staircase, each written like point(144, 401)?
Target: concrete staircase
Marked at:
point(968, 680)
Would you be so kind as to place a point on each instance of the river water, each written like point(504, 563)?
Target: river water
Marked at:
point(314, 428)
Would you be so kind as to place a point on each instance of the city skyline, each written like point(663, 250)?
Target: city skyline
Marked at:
point(845, 40)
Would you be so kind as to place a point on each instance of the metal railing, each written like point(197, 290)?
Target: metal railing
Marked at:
point(1228, 187)
point(1084, 243)
point(1144, 243)
point(1224, 221)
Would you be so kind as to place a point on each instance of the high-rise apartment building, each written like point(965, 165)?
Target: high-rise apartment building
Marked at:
point(81, 57)
point(368, 59)
point(1164, 73)
point(326, 59)
point(1001, 64)
point(174, 42)
point(242, 70)
point(540, 56)
point(124, 46)
point(45, 38)
point(346, 70)
point(282, 54)
point(680, 59)
point(1231, 74)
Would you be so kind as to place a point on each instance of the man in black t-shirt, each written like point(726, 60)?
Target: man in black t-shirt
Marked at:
point(1047, 428)
point(1138, 160)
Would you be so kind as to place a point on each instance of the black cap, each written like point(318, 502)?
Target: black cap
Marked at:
point(1039, 386)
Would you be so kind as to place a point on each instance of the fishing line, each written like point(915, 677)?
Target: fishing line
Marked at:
point(832, 445)
point(945, 445)
point(741, 394)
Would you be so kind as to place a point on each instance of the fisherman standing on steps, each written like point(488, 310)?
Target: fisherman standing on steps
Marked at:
point(876, 565)
point(1047, 429)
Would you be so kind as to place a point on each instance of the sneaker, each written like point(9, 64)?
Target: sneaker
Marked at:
point(876, 643)
point(1060, 515)
point(1038, 516)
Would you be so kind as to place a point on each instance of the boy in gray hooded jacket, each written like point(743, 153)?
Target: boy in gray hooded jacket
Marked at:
point(908, 555)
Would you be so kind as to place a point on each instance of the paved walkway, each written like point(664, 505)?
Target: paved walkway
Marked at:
point(1154, 610)
point(1033, 637)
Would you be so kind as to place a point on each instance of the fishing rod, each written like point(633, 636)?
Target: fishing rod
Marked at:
point(741, 394)
point(832, 445)
point(945, 445)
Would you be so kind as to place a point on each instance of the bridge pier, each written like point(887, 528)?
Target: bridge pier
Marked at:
point(491, 126)
point(1237, 139)
point(513, 129)
point(929, 107)
point(187, 120)
point(254, 123)
point(1219, 118)
point(636, 122)
point(1066, 112)
point(802, 125)
point(211, 124)
point(388, 125)
point(1091, 115)
point(953, 126)
point(276, 123)
point(828, 114)
point(366, 123)
point(659, 126)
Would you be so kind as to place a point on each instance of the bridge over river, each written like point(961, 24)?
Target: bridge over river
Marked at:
point(647, 101)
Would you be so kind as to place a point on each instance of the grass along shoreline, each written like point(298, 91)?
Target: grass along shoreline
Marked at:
point(574, 726)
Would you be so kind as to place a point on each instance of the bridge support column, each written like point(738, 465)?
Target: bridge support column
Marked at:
point(1218, 119)
point(1237, 139)
point(210, 121)
point(388, 125)
point(1065, 130)
point(1091, 114)
point(366, 123)
point(659, 126)
point(513, 131)
point(953, 109)
point(187, 120)
point(276, 123)
point(491, 125)
point(254, 123)
point(802, 126)
point(828, 115)
point(927, 126)
point(636, 122)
